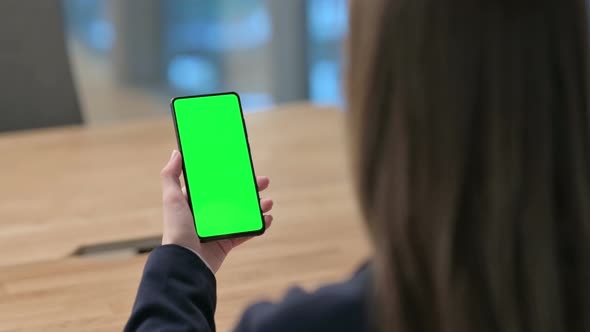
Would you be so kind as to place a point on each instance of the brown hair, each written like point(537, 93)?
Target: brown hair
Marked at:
point(472, 146)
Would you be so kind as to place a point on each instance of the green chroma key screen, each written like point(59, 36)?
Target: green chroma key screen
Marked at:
point(218, 169)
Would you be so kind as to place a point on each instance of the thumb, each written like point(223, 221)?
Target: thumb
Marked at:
point(171, 189)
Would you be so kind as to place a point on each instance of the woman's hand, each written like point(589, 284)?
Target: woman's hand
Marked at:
point(178, 220)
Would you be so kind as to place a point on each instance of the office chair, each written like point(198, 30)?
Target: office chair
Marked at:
point(36, 85)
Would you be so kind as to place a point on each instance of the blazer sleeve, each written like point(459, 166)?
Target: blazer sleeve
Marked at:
point(338, 307)
point(177, 293)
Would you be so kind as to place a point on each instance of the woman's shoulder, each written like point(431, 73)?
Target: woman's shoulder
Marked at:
point(336, 307)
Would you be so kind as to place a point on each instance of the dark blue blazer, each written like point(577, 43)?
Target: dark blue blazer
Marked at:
point(178, 293)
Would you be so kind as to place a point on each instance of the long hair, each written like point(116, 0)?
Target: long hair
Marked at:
point(471, 139)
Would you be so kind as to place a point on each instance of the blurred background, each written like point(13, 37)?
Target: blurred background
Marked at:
point(85, 128)
point(129, 57)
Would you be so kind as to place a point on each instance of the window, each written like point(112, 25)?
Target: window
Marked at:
point(268, 51)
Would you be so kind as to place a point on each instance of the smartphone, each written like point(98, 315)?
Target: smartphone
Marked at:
point(217, 166)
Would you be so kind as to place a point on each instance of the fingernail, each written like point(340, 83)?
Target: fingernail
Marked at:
point(174, 152)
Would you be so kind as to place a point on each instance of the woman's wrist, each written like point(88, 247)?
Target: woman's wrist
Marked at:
point(200, 257)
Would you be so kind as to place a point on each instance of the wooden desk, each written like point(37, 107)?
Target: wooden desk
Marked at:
point(64, 188)
point(77, 294)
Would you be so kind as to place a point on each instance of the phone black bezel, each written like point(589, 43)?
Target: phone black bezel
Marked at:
point(225, 236)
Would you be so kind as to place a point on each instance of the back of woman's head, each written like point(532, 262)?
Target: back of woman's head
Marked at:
point(472, 143)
